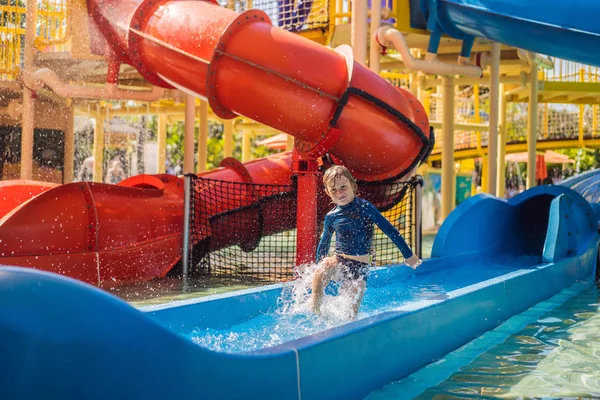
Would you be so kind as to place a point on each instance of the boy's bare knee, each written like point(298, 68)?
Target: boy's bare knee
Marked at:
point(324, 270)
point(329, 262)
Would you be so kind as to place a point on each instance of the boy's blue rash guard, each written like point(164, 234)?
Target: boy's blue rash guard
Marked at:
point(353, 227)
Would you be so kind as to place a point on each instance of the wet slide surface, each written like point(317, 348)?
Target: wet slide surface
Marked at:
point(292, 320)
point(556, 28)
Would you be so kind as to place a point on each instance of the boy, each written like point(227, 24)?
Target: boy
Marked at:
point(352, 221)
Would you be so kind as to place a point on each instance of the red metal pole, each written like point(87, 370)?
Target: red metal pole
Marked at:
point(306, 213)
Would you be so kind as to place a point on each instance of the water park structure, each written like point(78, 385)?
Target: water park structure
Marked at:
point(275, 70)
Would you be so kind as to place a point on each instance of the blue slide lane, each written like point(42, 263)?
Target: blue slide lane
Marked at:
point(559, 28)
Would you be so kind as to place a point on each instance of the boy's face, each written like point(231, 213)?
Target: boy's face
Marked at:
point(340, 190)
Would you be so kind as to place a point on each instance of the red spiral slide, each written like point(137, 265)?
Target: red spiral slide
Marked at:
point(244, 66)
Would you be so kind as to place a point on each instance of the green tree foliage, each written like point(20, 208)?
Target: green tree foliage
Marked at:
point(585, 159)
point(215, 144)
point(175, 145)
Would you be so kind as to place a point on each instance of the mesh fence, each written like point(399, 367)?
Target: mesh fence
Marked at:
point(243, 229)
point(290, 15)
point(396, 201)
point(247, 230)
point(12, 37)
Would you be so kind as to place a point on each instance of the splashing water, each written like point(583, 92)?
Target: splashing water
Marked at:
point(337, 302)
point(291, 320)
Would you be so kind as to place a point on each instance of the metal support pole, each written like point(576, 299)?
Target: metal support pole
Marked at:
point(532, 127)
point(374, 61)
point(161, 139)
point(246, 145)
point(189, 134)
point(493, 132)
point(448, 176)
point(358, 30)
point(69, 145)
point(28, 117)
point(187, 190)
point(202, 136)
point(306, 212)
point(98, 149)
point(501, 181)
point(418, 217)
point(414, 83)
point(228, 138)
point(581, 110)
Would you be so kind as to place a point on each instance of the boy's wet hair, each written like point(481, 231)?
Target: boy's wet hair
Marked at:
point(337, 171)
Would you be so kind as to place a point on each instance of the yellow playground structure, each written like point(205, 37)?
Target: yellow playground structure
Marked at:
point(66, 115)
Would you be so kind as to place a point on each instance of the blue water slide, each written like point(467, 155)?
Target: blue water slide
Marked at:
point(559, 28)
point(587, 185)
point(493, 258)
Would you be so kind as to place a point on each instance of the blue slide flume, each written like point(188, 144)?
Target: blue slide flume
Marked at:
point(559, 28)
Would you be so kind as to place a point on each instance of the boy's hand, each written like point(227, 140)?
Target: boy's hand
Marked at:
point(413, 261)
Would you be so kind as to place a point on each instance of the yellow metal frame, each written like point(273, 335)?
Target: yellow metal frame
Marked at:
point(396, 78)
point(48, 19)
point(10, 47)
point(316, 35)
point(520, 148)
point(579, 83)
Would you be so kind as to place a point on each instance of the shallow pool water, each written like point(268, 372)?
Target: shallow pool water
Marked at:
point(550, 351)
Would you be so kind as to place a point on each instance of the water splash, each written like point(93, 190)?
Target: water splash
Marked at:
point(337, 303)
point(292, 319)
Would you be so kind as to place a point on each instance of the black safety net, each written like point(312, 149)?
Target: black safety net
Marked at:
point(247, 230)
point(396, 201)
point(291, 15)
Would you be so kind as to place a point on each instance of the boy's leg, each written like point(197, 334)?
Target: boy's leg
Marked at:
point(323, 274)
point(356, 289)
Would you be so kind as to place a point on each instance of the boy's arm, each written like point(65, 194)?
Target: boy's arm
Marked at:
point(389, 229)
point(325, 241)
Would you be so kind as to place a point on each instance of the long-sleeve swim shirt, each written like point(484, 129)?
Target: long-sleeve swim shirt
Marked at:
point(353, 227)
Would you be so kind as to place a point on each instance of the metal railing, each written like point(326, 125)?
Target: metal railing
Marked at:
point(52, 31)
point(53, 24)
point(12, 37)
point(290, 15)
point(569, 71)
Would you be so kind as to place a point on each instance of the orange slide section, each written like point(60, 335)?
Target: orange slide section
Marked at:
point(243, 66)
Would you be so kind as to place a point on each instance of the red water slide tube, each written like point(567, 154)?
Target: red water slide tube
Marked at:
point(98, 233)
point(109, 234)
point(243, 65)
point(15, 192)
